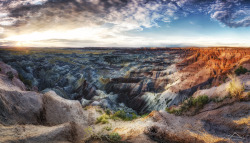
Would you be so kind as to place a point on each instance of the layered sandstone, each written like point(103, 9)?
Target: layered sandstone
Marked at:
point(194, 69)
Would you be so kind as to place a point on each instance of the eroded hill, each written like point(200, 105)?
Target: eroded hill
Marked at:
point(212, 114)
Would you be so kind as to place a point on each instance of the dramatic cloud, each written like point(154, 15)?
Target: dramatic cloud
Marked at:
point(232, 13)
point(22, 17)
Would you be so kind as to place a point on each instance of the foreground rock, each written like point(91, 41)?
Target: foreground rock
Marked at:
point(63, 133)
point(227, 123)
point(27, 116)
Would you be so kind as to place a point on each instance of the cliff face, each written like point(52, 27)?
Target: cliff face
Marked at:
point(209, 63)
point(217, 60)
point(200, 68)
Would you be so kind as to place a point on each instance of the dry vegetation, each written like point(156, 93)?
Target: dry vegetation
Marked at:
point(235, 87)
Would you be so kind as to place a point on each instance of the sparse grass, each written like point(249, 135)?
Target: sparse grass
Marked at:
point(200, 101)
point(91, 135)
point(98, 110)
point(102, 119)
point(144, 115)
point(116, 116)
point(206, 137)
point(88, 131)
point(197, 103)
point(114, 137)
point(243, 121)
point(219, 99)
point(235, 87)
point(108, 128)
point(240, 71)
point(86, 108)
point(108, 112)
point(124, 116)
point(10, 75)
point(25, 81)
point(174, 111)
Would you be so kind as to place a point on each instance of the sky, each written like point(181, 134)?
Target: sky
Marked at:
point(124, 23)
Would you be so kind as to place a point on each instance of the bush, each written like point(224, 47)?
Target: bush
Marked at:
point(198, 103)
point(98, 110)
point(25, 81)
point(124, 116)
point(102, 119)
point(218, 99)
point(10, 75)
point(108, 112)
point(108, 128)
point(240, 70)
point(174, 111)
point(117, 115)
point(88, 131)
point(120, 114)
point(235, 87)
point(114, 137)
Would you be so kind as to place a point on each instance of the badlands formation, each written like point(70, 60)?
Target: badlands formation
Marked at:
point(113, 95)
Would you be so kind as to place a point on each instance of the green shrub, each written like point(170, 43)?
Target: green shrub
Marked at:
point(240, 70)
point(187, 104)
point(108, 128)
point(175, 111)
point(219, 99)
point(25, 81)
point(88, 131)
point(114, 137)
point(108, 112)
point(102, 119)
point(116, 116)
point(124, 116)
point(98, 110)
point(10, 75)
point(198, 103)
point(120, 114)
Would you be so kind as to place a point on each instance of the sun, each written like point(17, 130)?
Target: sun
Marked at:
point(19, 44)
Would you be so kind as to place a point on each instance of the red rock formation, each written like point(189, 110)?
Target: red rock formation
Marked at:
point(205, 63)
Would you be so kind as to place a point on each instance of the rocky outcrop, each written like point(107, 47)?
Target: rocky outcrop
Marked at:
point(27, 116)
point(20, 107)
point(228, 123)
point(58, 110)
point(16, 83)
point(63, 133)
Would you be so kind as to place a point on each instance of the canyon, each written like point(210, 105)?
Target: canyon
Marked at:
point(56, 95)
